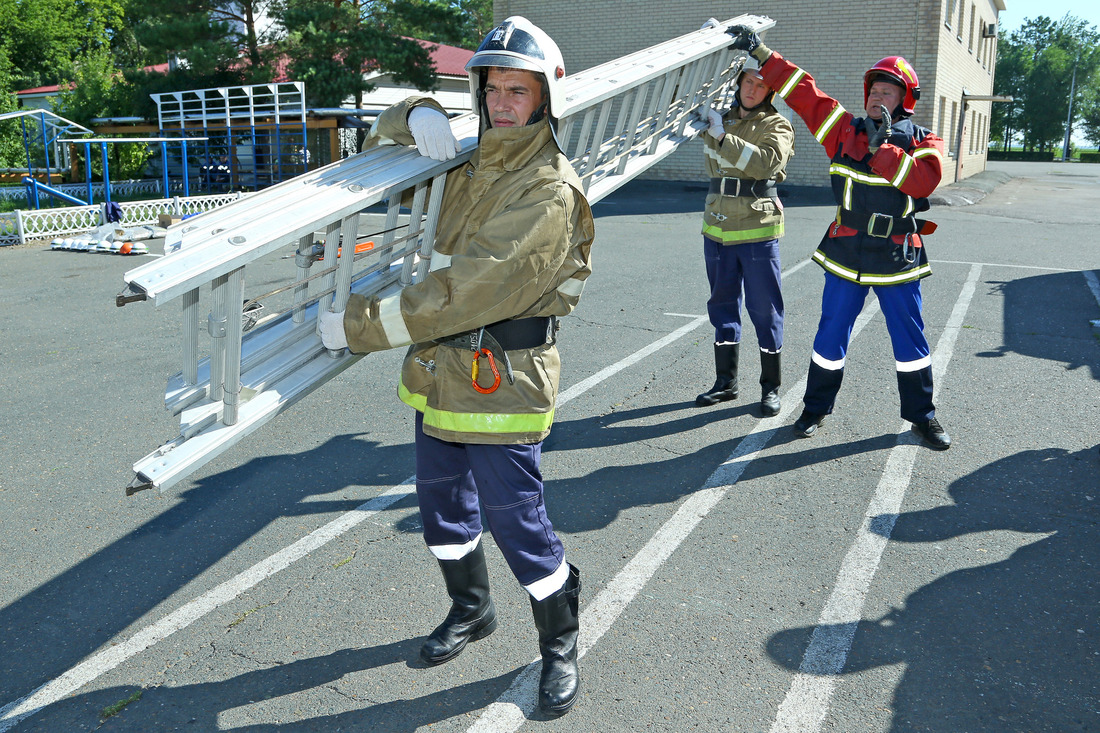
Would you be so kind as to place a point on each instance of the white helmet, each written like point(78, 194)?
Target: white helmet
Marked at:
point(517, 43)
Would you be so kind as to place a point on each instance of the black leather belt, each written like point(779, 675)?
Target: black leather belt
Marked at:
point(743, 187)
point(521, 333)
point(881, 225)
point(505, 336)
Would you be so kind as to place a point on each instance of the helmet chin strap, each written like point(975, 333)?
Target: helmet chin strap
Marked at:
point(538, 114)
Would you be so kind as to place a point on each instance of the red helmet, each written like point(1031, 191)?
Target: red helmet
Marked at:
point(899, 71)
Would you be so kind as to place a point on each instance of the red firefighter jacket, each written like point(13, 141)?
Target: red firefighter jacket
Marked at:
point(882, 191)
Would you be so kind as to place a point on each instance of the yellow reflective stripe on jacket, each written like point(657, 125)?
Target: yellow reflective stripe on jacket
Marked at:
point(839, 169)
point(791, 83)
point(758, 234)
point(476, 422)
point(828, 124)
point(903, 171)
point(872, 279)
point(850, 176)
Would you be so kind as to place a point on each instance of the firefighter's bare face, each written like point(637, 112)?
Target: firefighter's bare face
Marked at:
point(882, 94)
point(753, 90)
point(512, 96)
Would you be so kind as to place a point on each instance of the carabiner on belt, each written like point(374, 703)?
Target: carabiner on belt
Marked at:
point(908, 251)
point(475, 369)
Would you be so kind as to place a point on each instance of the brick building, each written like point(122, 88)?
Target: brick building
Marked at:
point(951, 43)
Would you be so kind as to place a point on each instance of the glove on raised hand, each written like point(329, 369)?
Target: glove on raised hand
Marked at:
point(331, 326)
point(745, 39)
point(877, 138)
point(715, 127)
point(432, 133)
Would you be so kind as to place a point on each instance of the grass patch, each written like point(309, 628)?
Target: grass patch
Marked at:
point(248, 613)
point(112, 710)
point(343, 562)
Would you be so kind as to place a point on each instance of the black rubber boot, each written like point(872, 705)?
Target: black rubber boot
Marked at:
point(472, 615)
point(725, 386)
point(557, 619)
point(769, 384)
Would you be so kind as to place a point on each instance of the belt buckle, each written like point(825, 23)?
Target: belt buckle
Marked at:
point(736, 188)
point(875, 217)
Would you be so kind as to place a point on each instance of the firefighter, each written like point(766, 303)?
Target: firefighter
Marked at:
point(883, 169)
point(511, 257)
point(747, 149)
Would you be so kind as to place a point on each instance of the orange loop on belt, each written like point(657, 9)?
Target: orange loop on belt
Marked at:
point(475, 369)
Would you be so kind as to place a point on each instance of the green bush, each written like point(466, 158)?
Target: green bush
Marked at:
point(1090, 157)
point(1021, 155)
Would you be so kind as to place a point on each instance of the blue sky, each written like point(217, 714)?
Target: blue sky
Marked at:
point(1017, 10)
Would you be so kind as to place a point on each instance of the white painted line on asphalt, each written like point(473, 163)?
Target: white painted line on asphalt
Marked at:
point(1004, 264)
point(518, 702)
point(1093, 283)
point(106, 660)
point(807, 702)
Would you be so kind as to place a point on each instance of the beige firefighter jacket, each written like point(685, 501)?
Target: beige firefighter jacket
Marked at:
point(513, 241)
point(758, 148)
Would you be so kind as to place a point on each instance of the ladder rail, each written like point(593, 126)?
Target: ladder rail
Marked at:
point(619, 119)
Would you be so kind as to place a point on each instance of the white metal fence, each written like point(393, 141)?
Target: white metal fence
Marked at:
point(19, 227)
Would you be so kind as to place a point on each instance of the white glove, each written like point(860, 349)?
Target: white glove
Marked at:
point(711, 23)
point(432, 133)
point(716, 129)
point(331, 326)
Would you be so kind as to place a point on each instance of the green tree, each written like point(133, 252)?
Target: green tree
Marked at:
point(460, 23)
point(1036, 65)
point(43, 38)
point(332, 44)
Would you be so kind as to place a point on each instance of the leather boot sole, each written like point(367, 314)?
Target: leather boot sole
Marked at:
point(709, 399)
point(480, 633)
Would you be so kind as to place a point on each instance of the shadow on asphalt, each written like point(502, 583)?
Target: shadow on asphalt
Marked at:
point(202, 707)
point(686, 197)
point(1035, 322)
point(595, 500)
point(50, 629)
point(1003, 646)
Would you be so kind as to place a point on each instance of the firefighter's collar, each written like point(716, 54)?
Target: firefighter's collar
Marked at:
point(511, 148)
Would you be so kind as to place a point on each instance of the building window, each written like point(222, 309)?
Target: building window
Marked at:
point(954, 119)
point(971, 35)
point(962, 8)
point(941, 117)
point(950, 12)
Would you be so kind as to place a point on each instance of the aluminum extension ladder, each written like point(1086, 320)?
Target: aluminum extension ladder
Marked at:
point(241, 370)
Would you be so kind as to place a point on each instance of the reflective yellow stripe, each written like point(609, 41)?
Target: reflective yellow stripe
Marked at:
point(829, 124)
point(900, 277)
point(839, 169)
point(924, 152)
point(416, 401)
point(833, 267)
point(903, 171)
point(791, 83)
point(760, 233)
point(864, 279)
point(476, 422)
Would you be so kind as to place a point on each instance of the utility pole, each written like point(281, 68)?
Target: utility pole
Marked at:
point(1069, 116)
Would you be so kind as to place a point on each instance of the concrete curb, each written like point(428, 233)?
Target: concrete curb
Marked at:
point(969, 190)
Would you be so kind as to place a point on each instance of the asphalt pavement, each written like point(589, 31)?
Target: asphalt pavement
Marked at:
point(735, 577)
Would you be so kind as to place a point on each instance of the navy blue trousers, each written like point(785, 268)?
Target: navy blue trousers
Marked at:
point(841, 303)
point(453, 479)
point(748, 272)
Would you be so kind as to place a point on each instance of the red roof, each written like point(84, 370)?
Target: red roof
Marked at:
point(449, 60)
